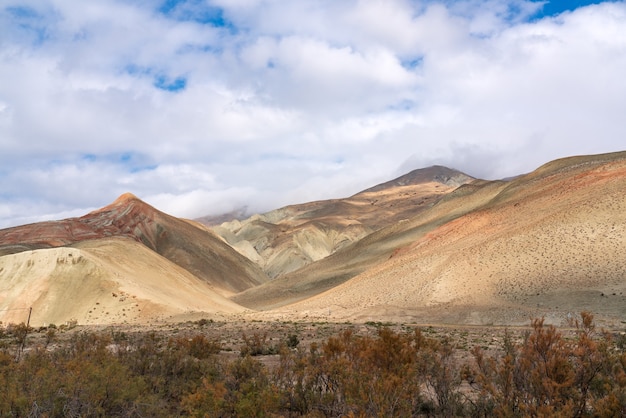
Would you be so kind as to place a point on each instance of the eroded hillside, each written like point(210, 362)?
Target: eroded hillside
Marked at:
point(113, 280)
point(287, 239)
point(69, 269)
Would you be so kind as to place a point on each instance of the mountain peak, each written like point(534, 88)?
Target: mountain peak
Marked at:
point(127, 216)
point(435, 173)
point(125, 197)
point(126, 206)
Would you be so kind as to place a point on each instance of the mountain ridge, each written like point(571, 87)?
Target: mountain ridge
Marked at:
point(434, 173)
point(287, 239)
point(547, 243)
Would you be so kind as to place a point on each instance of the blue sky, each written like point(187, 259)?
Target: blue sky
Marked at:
point(555, 7)
point(203, 106)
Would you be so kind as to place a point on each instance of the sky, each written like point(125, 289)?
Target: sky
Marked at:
point(200, 107)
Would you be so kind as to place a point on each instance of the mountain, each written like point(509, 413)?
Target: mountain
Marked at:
point(433, 246)
point(436, 173)
point(214, 220)
point(550, 243)
point(126, 247)
point(287, 239)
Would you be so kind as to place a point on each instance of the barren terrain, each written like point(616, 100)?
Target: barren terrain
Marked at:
point(126, 262)
point(287, 239)
point(547, 244)
point(432, 247)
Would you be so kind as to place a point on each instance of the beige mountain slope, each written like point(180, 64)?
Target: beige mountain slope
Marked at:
point(550, 243)
point(124, 262)
point(105, 281)
point(289, 238)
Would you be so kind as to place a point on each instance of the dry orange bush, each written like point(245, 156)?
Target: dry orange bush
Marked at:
point(389, 374)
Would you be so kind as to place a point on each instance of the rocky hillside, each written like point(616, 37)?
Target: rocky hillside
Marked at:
point(186, 244)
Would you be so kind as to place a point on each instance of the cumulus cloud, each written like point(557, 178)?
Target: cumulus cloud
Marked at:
point(200, 106)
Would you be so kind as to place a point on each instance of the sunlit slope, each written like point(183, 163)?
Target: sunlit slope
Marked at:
point(287, 239)
point(190, 246)
point(106, 281)
point(549, 243)
point(368, 252)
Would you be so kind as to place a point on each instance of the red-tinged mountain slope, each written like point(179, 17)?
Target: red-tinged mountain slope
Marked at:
point(182, 242)
point(550, 243)
point(126, 262)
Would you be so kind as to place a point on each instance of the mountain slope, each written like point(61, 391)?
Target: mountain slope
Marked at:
point(368, 252)
point(110, 280)
point(287, 239)
point(549, 243)
point(185, 244)
point(126, 262)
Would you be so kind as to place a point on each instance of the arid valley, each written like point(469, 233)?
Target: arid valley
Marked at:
point(432, 287)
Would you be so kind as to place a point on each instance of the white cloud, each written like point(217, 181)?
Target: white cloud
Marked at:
point(291, 101)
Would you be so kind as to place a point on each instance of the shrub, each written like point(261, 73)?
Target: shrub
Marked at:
point(257, 345)
point(549, 375)
point(389, 374)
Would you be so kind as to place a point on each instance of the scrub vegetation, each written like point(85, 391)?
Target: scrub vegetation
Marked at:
point(410, 371)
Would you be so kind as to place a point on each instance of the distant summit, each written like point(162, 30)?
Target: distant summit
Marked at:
point(435, 173)
point(234, 215)
point(125, 197)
